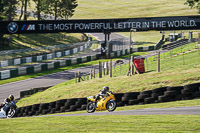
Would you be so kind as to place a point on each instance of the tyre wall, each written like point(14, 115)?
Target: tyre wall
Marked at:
point(157, 95)
point(32, 91)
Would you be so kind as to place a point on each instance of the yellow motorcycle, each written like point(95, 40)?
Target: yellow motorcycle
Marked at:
point(103, 103)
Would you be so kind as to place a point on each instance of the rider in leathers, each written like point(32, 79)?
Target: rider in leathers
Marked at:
point(8, 102)
point(101, 93)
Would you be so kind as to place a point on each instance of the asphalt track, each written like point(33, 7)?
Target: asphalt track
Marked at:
point(51, 79)
point(42, 81)
point(195, 110)
point(47, 80)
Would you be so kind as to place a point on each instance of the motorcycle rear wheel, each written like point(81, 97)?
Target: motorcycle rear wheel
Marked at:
point(111, 105)
point(90, 107)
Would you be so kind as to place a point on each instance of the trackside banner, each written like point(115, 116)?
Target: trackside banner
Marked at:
point(101, 25)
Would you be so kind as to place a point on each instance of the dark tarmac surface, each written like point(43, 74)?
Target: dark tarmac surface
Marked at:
point(154, 111)
point(42, 81)
point(48, 80)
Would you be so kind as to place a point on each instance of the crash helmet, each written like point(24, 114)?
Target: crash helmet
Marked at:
point(11, 97)
point(105, 88)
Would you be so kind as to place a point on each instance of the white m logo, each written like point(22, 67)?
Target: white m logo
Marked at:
point(31, 27)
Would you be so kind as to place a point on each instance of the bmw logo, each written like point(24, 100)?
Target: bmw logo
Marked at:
point(12, 27)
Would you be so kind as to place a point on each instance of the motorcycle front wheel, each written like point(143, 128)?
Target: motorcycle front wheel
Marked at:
point(90, 107)
point(11, 113)
point(111, 105)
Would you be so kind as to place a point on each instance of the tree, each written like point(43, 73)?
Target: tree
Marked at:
point(53, 8)
point(10, 7)
point(62, 8)
point(1, 18)
point(194, 4)
point(67, 8)
point(2, 38)
point(25, 9)
point(22, 9)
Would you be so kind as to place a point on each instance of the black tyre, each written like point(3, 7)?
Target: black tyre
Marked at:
point(29, 107)
point(177, 88)
point(133, 102)
point(111, 105)
point(196, 94)
point(149, 100)
point(71, 102)
point(82, 100)
point(90, 107)
point(33, 112)
point(133, 95)
point(164, 99)
point(146, 92)
point(186, 92)
point(62, 109)
point(59, 104)
point(24, 114)
point(53, 110)
point(125, 99)
point(118, 96)
point(192, 87)
point(18, 110)
point(44, 106)
point(19, 115)
point(30, 113)
point(119, 104)
point(79, 102)
point(187, 96)
point(37, 113)
point(83, 107)
point(35, 107)
point(170, 93)
point(156, 95)
point(45, 111)
point(179, 97)
point(61, 101)
point(52, 104)
point(143, 96)
point(158, 90)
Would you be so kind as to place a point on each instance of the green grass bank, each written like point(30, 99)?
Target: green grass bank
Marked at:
point(110, 123)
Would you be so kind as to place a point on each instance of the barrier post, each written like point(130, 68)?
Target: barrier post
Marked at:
point(90, 74)
point(100, 70)
point(107, 68)
point(75, 78)
point(94, 72)
point(158, 67)
point(132, 68)
point(111, 68)
point(79, 76)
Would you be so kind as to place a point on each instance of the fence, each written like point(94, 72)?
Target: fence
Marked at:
point(173, 58)
point(153, 61)
point(108, 68)
point(119, 44)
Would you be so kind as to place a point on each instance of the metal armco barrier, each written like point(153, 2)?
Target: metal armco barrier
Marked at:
point(5, 74)
point(37, 58)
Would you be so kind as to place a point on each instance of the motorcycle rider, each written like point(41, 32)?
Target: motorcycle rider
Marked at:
point(8, 102)
point(101, 93)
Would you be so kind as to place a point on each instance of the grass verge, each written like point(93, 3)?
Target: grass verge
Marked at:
point(170, 75)
point(60, 69)
point(110, 123)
